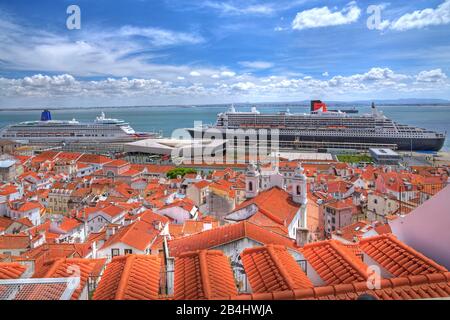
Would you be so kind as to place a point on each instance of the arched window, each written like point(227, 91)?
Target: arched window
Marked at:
point(298, 190)
point(250, 186)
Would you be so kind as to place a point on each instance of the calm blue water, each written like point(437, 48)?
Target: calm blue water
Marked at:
point(166, 119)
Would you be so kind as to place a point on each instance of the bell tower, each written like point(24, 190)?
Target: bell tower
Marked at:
point(252, 177)
point(299, 195)
point(299, 185)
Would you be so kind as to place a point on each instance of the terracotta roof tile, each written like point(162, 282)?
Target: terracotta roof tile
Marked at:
point(276, 204)
point(14, 241)
point(201, 184)
point(64, 268)
point(334, 263)
point(210, 239)
point(405, 288)
point(11, 270)
point(44, 255)
point(203, 275)
point(112, 210)
point(398, 258)
point(117, 163)
point(357, 229)
point(131, 277)
point(272, 268)
point(139, 235)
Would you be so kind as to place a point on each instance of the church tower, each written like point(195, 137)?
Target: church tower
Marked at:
point(252, 177)
point(299, 185)
point(299, 195)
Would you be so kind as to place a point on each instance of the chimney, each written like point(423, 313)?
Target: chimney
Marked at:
point(302, 237)
point(157, 225)
point(110, 231)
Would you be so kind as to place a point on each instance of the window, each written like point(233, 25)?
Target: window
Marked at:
point(128, 251)
point(115, 252)
point(250, 186)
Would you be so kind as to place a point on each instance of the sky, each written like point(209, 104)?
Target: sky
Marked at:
point(152, 52)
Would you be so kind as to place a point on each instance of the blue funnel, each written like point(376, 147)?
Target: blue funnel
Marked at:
point(46, 115)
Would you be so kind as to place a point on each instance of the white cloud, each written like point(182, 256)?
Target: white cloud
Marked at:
point(126, 51)
point(256, 64)
point(383, 25)
point(324, 17)
point(435, 75)
point(243, 86)
point(376, 81)
point(231, 9)
point(325, 74)
point(160, 37)
point(195, 74)
point(424, 18)
point(180, 78)
point(229, 74)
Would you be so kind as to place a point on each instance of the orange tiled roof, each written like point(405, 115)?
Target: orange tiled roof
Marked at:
point(153, 168)
point(176, 230)
point(341, 204)
point(14, 241)
point(11, 270)
point(64, 268)
point(185, 203)
point(139, 235)
point(112, 210)
point(131, 277)
point(117, 163)
point(272, 268)
point(27, 206)
point(201, 184)
point(357, 229)
point(6, 190)
point(231, 232)
point(412, 287)
point(5, 222)
point(192, 226)
point(398, 258)
point(203, 275)
point(334, 263)
point(276, 204)
point(94, 158)
point(69, 224)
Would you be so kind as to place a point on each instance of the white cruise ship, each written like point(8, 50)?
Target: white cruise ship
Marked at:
point(102, 129)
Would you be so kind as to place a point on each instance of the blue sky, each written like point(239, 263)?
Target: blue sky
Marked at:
point(211, 51)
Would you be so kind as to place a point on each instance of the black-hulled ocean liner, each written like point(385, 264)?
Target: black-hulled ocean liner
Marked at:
point(332, 128)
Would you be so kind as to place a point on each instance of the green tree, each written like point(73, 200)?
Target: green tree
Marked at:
point(174, 173)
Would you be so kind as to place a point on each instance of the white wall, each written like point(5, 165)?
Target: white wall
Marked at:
point(426, 229)
point(106, 251)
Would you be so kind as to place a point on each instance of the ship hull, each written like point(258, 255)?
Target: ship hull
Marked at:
point(402, 144)
point(74, 139)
